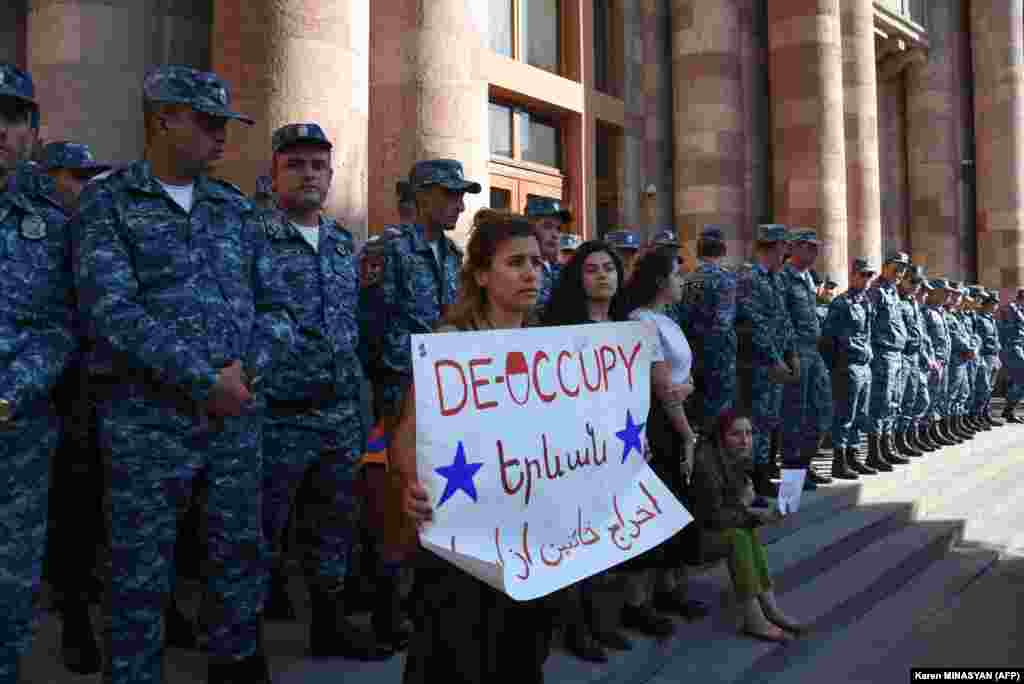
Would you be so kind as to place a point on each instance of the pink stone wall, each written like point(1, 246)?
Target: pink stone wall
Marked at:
point(893, 161)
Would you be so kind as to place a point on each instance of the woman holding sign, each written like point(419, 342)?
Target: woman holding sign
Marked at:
point(657, 284)
point(722, 493)
point(467, 632)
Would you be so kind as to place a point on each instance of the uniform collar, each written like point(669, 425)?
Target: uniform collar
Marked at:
point(141, 179)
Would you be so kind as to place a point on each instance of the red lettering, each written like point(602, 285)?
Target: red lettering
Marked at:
point(605, 366)
point(561, 381)
point(504, 466)
point(628, 363)
point(473, 365)
point(440, 391)
point(583, 369)
point(547, 463)
point(537, 358)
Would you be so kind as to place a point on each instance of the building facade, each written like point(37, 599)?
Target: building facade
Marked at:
point(893, 124)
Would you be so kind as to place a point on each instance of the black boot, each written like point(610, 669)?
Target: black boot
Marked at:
point(279, 606)
point(389, 622)
point(889, 452)
point(1009, 416)
point(179, 632)
point(959, 429)
point(816, 477)
point(901, 447)
point(916, 440)
point(582, 644)
point(251, 670)
point(993, 421)
point(78, 647)
point(924, 438)
point(853, 461)
point(840, 468)
point(763, 485)
point(937, 435)
point(946, 425)
point(875, 459)
point(332, 634)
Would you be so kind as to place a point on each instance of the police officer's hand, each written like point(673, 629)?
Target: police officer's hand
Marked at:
point(230, 394)
point(781, 374)
point(416, 503)
point(793, 361)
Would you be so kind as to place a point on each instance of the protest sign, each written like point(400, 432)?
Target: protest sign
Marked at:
point(531, 445)
point(791, 488)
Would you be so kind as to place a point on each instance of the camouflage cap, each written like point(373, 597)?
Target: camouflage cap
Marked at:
point(976, 292)
point(805, 235)
point(444, 172)
point(404, 192)
point(925, 284)
point(938, 284)
point(993, 297)
point(772, 232)
point(713, 232)
point(665, 238)
point(264, 185)
point(898, 258)
point(623, 239)
point(953, 286)
point(299, 133)
point(569, 242)
point(17, 84)
point(917, 274)
point(865, 265)
point(539, 207)
point(72, 156)
point(203, 91)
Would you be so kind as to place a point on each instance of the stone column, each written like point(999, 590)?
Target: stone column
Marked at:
point(710, 146)
point(657, 79)
point(428, 95)
point(292, 61)
point(933, 144)
point(806, 71)
point(860, 102)
point(756, 107)
point(997, 30)
point(12, 32)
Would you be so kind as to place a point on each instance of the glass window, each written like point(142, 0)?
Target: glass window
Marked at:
point(500, 125)
point(541, 33)
point(501, 198)
point(500, 34)
point(539, 140)
point(602, 32)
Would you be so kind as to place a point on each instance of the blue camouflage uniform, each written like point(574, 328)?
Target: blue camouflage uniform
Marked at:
point(989, 365)
point(760, 305)
point(961, 345)
point(888, 341)
point(542, 207)
point(914, 394)
point(36, 341)
point(969, 319)
point(708, 312)
point(169, 298)
point(1011, 336)
point(847, 335)
point(416, 287)
point(807, 405)
point(941, 344)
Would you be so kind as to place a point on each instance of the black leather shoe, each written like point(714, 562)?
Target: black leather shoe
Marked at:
point(875, 459)
point(853, 461)
point(818, 478)
point(841, 469)
point(646, 621)
point(333, 635)
point(889, 451)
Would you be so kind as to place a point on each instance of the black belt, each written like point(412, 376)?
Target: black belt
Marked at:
point(112, 387)
point(322, 397)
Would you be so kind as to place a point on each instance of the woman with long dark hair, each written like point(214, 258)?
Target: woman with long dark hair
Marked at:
point(721, 496)
point(467, 632)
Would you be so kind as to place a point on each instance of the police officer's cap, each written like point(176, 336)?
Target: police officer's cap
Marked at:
point(665, 238)
point(404, 192)
point(623, 239)
point(772, 232)
point(569, 242)
point(865, 265)
point(541, 207)
point(17, 84)
point(264, 185)
point(293, 134)
point(444, 172)
point(975, 292)
point(714, 233)
point(203, 91)
point(898, 258)
point(925, 284)
point(954, 286)
point(917, 275)
point(804, 235)
point(72, 156)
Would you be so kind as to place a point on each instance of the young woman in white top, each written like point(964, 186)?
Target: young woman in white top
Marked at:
point(657, 284)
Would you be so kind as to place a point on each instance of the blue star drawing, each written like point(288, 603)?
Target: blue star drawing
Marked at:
point(459, 475)
point(630, 436)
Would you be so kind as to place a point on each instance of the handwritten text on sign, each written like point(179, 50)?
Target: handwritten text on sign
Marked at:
point(531, 444)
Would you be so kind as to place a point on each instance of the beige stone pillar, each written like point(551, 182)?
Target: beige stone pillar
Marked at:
point(88, 59)
point(860, 103)
point(710, 146)
point(428, 96)
point(291, 61)
point(806, 71)
point(997, 32)
point(933, 145)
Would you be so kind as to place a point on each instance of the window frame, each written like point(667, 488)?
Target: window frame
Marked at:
point(519, 47)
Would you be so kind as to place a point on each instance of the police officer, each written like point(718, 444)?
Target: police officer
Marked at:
point(826, 293)
point(759, 305)
point(928, 367)
point(807, 405)
point(264, 198)
point(548, 216)
point(626, 244)
point(707, 313)
point(36, 329)
point(961, 353)
point(666, 237)
point(1011, 335)
point(70, 165)
point(846, 349)
point(568, 244)
point(908, 390)
point(421, 273)
point(989, 364)
point(888, 340)
point(169, 269)
point(938, 380)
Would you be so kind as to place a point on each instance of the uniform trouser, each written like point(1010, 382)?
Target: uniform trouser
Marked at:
point(322, 462)
point(914, 403)
point(807, 409)
point(984, 383)
point(851, 391)
point(719, 376)
point(885, 375)
point(765, 408)
point(155, 456)
point(24, 473)
point(958, 388)
point(1013, 357)
point(972, 376)
point(938, 388)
